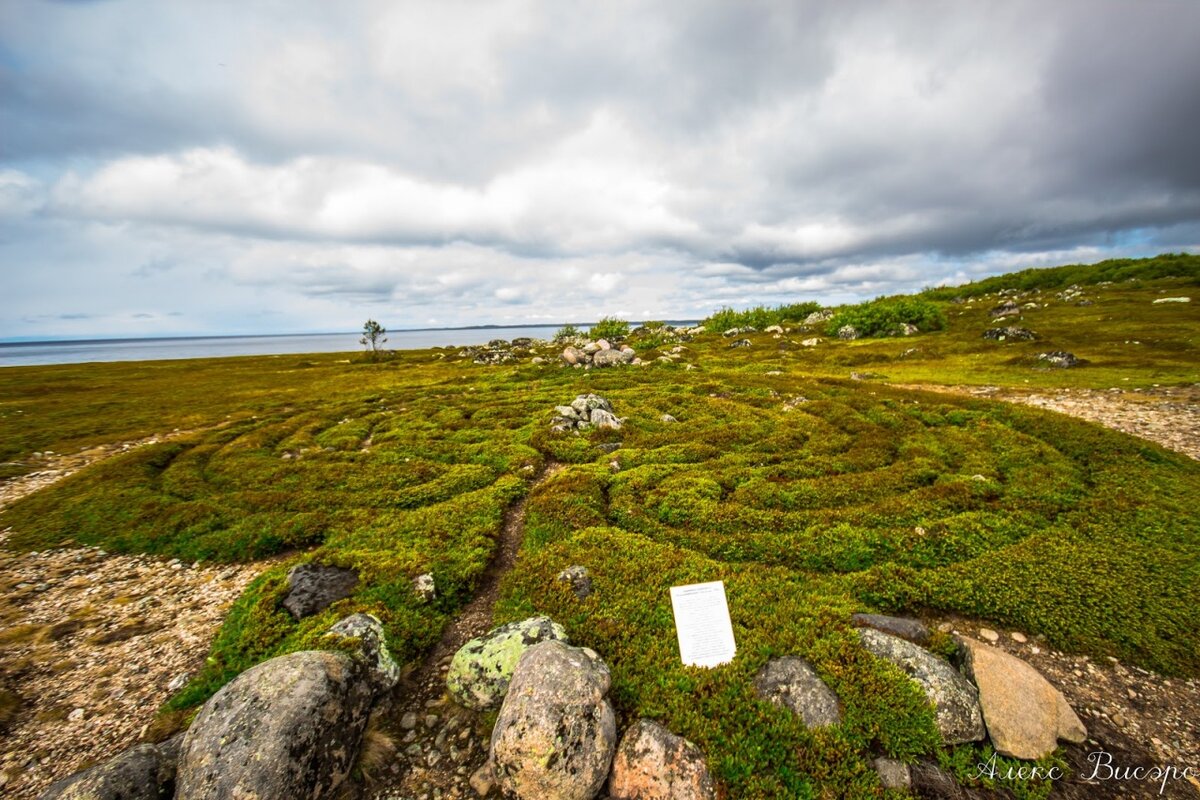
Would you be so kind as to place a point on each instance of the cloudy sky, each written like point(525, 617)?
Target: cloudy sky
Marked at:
point(231, 167)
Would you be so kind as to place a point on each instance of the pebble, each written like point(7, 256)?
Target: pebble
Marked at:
point(1019, 637)
point(408, 721)
point(989, 635)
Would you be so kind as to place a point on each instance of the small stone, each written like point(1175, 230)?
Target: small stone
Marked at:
point(483, 779)
point(989, 635)
point(431, 720)
point(409, 720)
point(1018, 637)
point(77, 715)
point(893, 774)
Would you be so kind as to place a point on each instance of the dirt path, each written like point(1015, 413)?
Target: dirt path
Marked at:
point(91, 643)
point(1169, 417)
point(435, 744)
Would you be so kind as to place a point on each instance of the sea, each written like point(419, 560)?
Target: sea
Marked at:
point(13, 354)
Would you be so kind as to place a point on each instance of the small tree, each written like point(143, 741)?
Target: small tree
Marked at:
point(373, 336)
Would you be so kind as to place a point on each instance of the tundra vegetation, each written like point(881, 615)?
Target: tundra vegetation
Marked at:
point(810, 494)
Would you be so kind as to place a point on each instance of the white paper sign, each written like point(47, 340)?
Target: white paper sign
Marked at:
point(702, 624)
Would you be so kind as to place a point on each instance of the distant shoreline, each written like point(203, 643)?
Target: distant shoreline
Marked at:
point(19, 342)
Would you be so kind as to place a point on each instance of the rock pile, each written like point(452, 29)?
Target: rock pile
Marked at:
point(585, 412)
point(598, 354)
point(1013, 332)
point(1059, 359)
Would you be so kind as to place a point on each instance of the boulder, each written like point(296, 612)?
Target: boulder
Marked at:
point(792, 683)
point(482, 669)
point(654, 764)
point(566, 412)
point(145, 772)
point(848, 332)
point(605, 419)
point(556, 733)
point(611, 357)
point(1004, 309)
point(312, 588)
point(289, 727)
point(573, 356)
point(913, 630)
point(740, 343)
point(813, 342)
point(667, 418)
point(1059, 359)
point(907, 329)
point(1024, 714)
point(384, 672)
point(773, 329)
point(603, 344)
point(817, 317)
point(955, 700)
point(579, 579)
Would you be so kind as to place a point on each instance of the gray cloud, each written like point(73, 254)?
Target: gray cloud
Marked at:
point(465, 162)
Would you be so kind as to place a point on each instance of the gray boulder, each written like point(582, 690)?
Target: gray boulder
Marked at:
point(312, 588)
point(848, 333)
point(1005, 308)
point(817, 317)
point(482, 669)
point(145, 772)
point(556, 733)
point(913, 630)
point(612, 357)
point(893, 774)
point(654, 764)
point(908, 329)
point(605, 419)
point(741, 343)
point(954, 698)
point(289, 727)
point(792, 683)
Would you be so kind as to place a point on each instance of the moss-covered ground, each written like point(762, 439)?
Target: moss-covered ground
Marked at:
point(810, 494)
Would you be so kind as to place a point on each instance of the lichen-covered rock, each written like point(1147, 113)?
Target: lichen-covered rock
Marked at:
point(145, 772)
point(848, 332)
point(817, 317)
point(312, 588)
point(1024, 714)
point(954, 698)
point(556, 733)
point(372, 644)
point(425, 588)
point(908, 329)
point(579, 579)
point(913, 630)
point(289, 727)
point(605, 419)
point(584, 404)
point(1004, 309)
point(740, 343)
point(893, 774)
point(482, 669)
point(792, 683)
point(813, 342)
point(654, 764)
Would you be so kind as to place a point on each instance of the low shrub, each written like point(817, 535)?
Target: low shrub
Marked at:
point(609, 328)
point(885, 316)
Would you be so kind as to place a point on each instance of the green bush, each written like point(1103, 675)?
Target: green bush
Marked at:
point(567, 333)
point(758, 317)
point(609, 328)
point(883, 317)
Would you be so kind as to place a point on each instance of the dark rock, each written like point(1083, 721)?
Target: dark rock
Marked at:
point(496, 344)
point(579, 578)
point(1012, 332)
point(740, 343)
point(289, 727)
point(312, 588)
point(654, 764)
point(1059, 359)
point(145, 772)
point(522, 342)
point(792, 683)
point(911, 629)
point(608, 447)
point(556, 733)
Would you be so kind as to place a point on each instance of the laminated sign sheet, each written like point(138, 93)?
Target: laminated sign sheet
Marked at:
point(702, 624)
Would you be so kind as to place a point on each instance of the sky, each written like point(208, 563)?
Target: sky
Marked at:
point(214, 167)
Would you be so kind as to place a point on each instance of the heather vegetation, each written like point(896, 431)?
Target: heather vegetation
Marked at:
point(810, 494)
